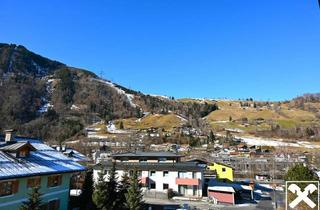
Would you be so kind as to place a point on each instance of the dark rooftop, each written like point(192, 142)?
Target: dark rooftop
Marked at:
point(146, 154)
point(144, 166)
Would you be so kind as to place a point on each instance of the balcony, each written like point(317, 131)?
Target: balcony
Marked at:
point(187, 181)
point(144, 180)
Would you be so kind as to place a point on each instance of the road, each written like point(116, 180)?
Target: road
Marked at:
point(263, 204)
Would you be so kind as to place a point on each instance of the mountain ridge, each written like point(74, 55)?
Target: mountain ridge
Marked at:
point(44, 98)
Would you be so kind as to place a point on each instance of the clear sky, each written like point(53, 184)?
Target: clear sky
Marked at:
point(265, 49)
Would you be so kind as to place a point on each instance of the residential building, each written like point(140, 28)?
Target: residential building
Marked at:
point(229, 193)
point(224, 172)
point(26, 163)
point(158, 172)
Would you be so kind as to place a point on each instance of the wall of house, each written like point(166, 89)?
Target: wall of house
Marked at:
point(226, 175)
point(13, 202)
point(169, 179)
point(222, 197)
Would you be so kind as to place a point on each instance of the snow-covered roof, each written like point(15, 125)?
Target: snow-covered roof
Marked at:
point(75, 155)
point(234, 185)
point(221, 189)
point(44, 160)
point(16, 146)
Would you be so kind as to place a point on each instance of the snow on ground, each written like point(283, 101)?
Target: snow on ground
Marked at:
point(111, 128)
point(159, 96)
point(46, 103)
point(45, 107)
point(130, 97)
point(277, 143)
point(39, 69)
point(74, 107)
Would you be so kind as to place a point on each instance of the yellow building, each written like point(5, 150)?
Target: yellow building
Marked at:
point(224, 172)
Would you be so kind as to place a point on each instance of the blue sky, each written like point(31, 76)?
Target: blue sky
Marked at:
point(266, 49)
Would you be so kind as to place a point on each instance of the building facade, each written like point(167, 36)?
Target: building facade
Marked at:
point(26, 163)
point(159, 172)
point(224, 172)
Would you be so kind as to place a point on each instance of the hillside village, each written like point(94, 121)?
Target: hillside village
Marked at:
point(66, 127)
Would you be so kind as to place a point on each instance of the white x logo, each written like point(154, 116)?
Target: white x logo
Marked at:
point(302, 196)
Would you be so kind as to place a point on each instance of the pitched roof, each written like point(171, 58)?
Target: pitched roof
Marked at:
point(145, 166)
point(222, 189)
point(146, 154)
point(16, 146)
point(44, 160)
point(75, 155)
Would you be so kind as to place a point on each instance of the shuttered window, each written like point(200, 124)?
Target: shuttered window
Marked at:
point(9, 187)
point(54, 180)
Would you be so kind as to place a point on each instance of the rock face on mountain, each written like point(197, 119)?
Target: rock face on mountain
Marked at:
point(48, 99)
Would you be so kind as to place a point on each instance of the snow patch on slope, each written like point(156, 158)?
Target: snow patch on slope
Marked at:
point(46, 105)
point(129, 97)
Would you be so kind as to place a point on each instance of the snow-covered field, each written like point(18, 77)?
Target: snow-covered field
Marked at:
point(277, 142)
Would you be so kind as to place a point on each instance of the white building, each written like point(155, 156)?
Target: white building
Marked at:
point(159, 171)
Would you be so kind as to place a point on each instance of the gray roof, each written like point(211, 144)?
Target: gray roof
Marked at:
point(16, 146)
point(144, 166)
point(44, 160)
point(146, 154)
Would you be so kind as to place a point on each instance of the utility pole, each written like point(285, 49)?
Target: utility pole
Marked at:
point(273, 183)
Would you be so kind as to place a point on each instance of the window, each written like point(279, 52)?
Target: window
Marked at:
point(152, 173)
point(194, 175)
point(182, 174)
point(143, 160)
point(153, 185)
point(223, 169)
point(165, 186)
point(54, 204)
point(166, 173)
point(162, 160)
point(23, 153)
point(9, 187)
point(34, 182)
point(54, 180)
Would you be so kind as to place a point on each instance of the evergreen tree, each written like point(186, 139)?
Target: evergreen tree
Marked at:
point(134, 195)
point(300, 173)
point(211, 137)
point(112, 186)
point(100, 195)
point(122, 191)
point(34, 200)
point(121, 125)
point(87, 192)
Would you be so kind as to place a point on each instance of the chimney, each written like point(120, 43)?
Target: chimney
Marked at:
point(9, 136)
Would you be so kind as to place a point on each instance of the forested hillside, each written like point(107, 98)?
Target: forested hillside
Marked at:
point(47, 99)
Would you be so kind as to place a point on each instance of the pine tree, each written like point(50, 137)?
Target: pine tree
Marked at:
point(121, 126)
point(112, 186)
point(87, 192)
point(134, 195)
point(100, 195)
point(123, 190)
point(34, 200)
